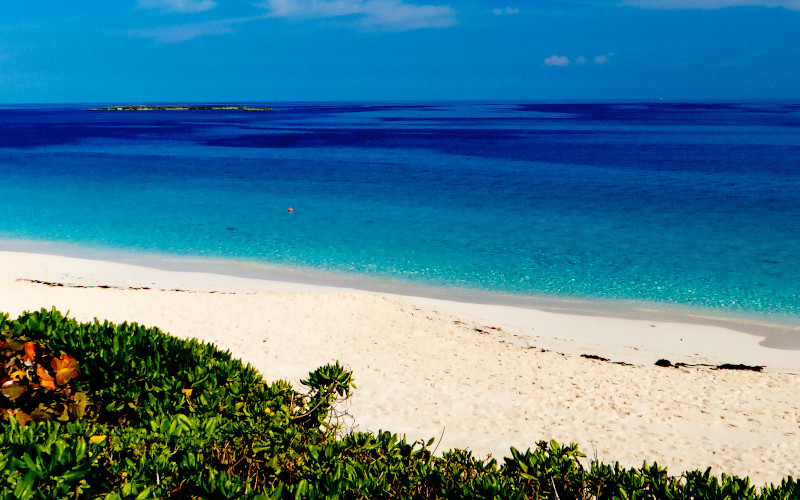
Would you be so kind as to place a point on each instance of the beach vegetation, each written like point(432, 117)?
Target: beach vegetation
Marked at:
point(38, 384)
point(124, 412)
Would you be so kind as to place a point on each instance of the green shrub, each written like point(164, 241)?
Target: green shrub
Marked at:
point(184, 417)
point(50, 460)
point(161, 417)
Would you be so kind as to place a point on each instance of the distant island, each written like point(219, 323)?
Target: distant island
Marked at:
point(180, 107)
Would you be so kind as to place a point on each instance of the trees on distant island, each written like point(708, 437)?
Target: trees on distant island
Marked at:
point(181, 107)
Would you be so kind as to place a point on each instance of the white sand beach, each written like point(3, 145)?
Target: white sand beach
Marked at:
point(487, 377)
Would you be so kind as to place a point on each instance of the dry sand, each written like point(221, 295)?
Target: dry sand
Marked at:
point(488, 376)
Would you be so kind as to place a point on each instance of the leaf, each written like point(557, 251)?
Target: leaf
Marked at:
point(72, 475)
point(22, 418)
point(14, 391)
point(187, 392)
point(65, 367)
point(97, 438)
point(144, 493)
point(31, 464)
point(182, 421)
point(45, 380)
point(30, 351)
point(40, 415)
point(78, 406)
point(15, 345)
point(24, 488)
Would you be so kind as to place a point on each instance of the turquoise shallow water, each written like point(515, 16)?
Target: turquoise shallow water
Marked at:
point(688, 205)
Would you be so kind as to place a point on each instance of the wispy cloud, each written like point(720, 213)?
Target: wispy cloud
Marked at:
point(380, 14)
point(508, 11)
point(555, 60)
point(388, 14)
point(182, 32)
point(602, 59)
point(710, 4)
point(178, 5)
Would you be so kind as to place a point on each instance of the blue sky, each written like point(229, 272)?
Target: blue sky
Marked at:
point(278, 50)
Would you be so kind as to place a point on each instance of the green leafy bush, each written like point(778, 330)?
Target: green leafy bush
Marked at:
point(169, 418)
point(183, 417)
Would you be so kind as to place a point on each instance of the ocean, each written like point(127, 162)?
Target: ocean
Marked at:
point(687, 206)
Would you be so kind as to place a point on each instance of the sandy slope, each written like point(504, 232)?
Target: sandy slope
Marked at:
point(487, 376)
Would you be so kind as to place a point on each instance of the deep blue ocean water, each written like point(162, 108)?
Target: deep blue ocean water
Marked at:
point(674, 204)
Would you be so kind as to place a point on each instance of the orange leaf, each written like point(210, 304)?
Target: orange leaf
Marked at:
point(29, 351)
point(45, 380)
point(66, 367)
point(22, 417)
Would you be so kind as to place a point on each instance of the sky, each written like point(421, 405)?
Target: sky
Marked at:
point(127, 51)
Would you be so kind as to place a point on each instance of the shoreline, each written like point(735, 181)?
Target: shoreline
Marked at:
point(483, 376)
point(775, 333)
point(635, 336)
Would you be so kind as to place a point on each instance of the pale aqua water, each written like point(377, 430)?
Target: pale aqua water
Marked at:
point(673, 204)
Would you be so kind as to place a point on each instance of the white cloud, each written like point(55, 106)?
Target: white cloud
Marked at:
point(391, 14)
point(183, 32)
point(555, 60)
point(384, 14)
point(178, 5)
point(710, 4)
point(603, 58)
point(508, 11)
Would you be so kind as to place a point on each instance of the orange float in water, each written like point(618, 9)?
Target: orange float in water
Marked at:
point(291, 210)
